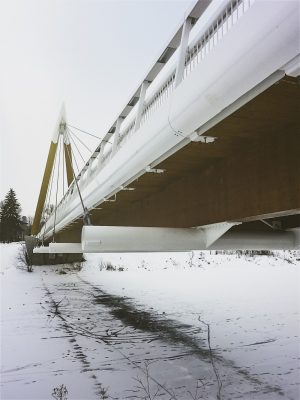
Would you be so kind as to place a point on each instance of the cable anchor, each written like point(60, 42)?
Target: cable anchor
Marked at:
point(86, 217)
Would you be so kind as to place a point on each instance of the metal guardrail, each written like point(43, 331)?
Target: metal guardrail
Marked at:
point(204, 45)
point(158, 98)
point(233, 12)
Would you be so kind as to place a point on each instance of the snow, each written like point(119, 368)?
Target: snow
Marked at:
point(32, 358)
point(112, 323)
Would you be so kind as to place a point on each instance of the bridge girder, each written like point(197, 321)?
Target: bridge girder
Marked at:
point(250, 172)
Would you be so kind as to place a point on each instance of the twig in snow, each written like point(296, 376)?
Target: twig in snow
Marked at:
point(219, 382)
point(144, 385)
point(55, 305)
point(197, 396)
point(60, 392)
point(103, 393)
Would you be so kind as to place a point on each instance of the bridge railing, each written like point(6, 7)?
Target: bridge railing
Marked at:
point(215, 33)
point(126, 134)
point(158, 98)
point(197, 50)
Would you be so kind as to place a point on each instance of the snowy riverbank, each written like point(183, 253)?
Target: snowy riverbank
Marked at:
point(251, 304)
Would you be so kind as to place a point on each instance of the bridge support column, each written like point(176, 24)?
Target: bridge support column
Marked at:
point(60, 130)
point(68, 160)
point(43, 191)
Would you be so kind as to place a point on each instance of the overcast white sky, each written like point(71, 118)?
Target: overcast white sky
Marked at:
point(91, 54)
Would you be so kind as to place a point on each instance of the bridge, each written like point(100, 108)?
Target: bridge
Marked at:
point(205, 154)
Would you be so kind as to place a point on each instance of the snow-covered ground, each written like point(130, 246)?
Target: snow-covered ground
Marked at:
point(146, 322)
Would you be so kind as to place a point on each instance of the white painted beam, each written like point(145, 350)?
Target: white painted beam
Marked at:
point(272, 240)
point(65, 248)
point(292, 68)
point(41, 250)
point(122, 239)
point(115, 239)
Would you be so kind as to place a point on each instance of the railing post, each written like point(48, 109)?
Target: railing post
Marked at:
point(116, 136)
point(140, 106)
point(101, 153)
point(182, 51)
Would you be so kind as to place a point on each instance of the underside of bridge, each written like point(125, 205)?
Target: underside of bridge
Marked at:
point(251, 172)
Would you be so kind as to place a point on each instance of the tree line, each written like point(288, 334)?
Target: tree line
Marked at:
point(13, 226)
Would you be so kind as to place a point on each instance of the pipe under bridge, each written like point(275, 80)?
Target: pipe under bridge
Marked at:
point(205, 154)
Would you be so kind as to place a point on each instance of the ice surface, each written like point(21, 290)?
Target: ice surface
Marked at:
point(116, 328)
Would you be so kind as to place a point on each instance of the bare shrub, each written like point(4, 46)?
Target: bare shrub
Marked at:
point(24, 259)
point(144, 265)
point(107, 265)
point(110, 266)
point(62, 272)
point(78, 267)
point(173, 262)
point(290, 256)
point(191, 259)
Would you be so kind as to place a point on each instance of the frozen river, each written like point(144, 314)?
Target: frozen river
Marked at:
point(136, 327)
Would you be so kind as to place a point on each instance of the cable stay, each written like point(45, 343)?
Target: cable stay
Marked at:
point(76, 147)
point(88, 133)
point(86, 215)
point(73, 133)
point(81, 130)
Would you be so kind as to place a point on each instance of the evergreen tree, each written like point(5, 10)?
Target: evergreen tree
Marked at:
point(10, 227)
